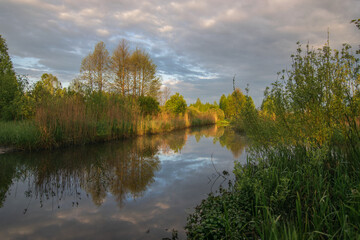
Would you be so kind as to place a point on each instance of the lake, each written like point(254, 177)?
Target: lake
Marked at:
point(139, 188)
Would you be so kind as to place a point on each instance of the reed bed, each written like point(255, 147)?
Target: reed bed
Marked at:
point(76, 119)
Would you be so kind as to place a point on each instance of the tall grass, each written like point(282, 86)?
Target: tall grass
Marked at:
point(286, 193)
point(165, 122)
point(76, 119)
point(21, 134)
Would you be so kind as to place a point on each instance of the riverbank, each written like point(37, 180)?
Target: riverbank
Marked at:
point(6, 150)
point(49, 132)
point(301, 179)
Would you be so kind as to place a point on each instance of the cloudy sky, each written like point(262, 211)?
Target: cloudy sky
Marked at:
point(197, 45)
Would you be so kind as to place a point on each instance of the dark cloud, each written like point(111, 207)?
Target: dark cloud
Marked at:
point(200, 44)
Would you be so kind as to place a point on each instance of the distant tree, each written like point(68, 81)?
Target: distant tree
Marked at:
point(238, 101)
point(94, 68)
point(120, 66)
point(223, 103)
point(198, 103)
point(101, 60)
point(86, 74)
point(154, 88)
point(176, 104)
point(76, 85)
point(233, 103)
point(125, 72)
point(135, 61)
point(165, 95)
point(9, 87)
point(48, 86)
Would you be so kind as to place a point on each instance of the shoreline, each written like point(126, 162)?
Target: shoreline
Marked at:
point(8, 149)
point(4, 150)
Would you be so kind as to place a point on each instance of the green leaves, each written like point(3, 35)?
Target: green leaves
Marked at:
point(9, 87)
point(148, 105)
point(176, 104)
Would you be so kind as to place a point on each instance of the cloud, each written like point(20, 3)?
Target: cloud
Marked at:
point(200, 43)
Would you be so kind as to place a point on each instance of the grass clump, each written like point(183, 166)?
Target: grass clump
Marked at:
point(289, 193)
point(22, 134)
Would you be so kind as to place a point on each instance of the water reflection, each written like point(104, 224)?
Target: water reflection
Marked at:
point(122, 171)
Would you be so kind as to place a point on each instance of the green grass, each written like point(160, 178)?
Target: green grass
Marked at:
point(285, 193)
point(21, 134)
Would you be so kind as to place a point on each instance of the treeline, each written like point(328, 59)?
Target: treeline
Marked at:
point(301, 180)
point(113, 97)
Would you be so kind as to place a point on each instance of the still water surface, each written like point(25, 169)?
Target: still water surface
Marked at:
point(135, 189)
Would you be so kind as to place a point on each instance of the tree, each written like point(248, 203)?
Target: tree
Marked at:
point(120, 66)
point(9, 87)
point(86, 74)
point(233, 103)
point(223, 103)
point(135, 61)
point(154, 88)
point(48, 86)
point(165, 95)
point(101, 61)
point(176, 104)
point(94, 68)
point(130, 73)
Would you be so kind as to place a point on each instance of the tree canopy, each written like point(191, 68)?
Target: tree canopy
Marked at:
point(176, 104)
point(126, 72)
point(9, 87)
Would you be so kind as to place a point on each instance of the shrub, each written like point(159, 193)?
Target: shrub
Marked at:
point(148, 105)
point(176, 104)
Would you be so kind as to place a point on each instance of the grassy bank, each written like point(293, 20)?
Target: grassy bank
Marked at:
point(285, 193)
point(71, 123)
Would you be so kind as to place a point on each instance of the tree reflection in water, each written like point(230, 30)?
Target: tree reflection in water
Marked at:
point(125, 168)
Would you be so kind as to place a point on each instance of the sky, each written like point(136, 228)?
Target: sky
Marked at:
point(198, 46)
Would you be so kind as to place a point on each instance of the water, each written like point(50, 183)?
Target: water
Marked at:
point(135, 189)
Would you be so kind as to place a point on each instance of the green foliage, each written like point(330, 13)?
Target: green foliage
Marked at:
point(128, 73)
point(282, 192)
point(232, 104)
point(47, 87)
point(148, 105)
point(9, 87)
point(301, 180)
point(176, 104)
point(312, 102)
point(205, 107)
point(223, 216)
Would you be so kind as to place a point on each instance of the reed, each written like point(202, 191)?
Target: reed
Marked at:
point(76, 119)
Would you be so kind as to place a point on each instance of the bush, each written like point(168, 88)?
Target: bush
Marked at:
point(148, 105)
point(176, 104)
